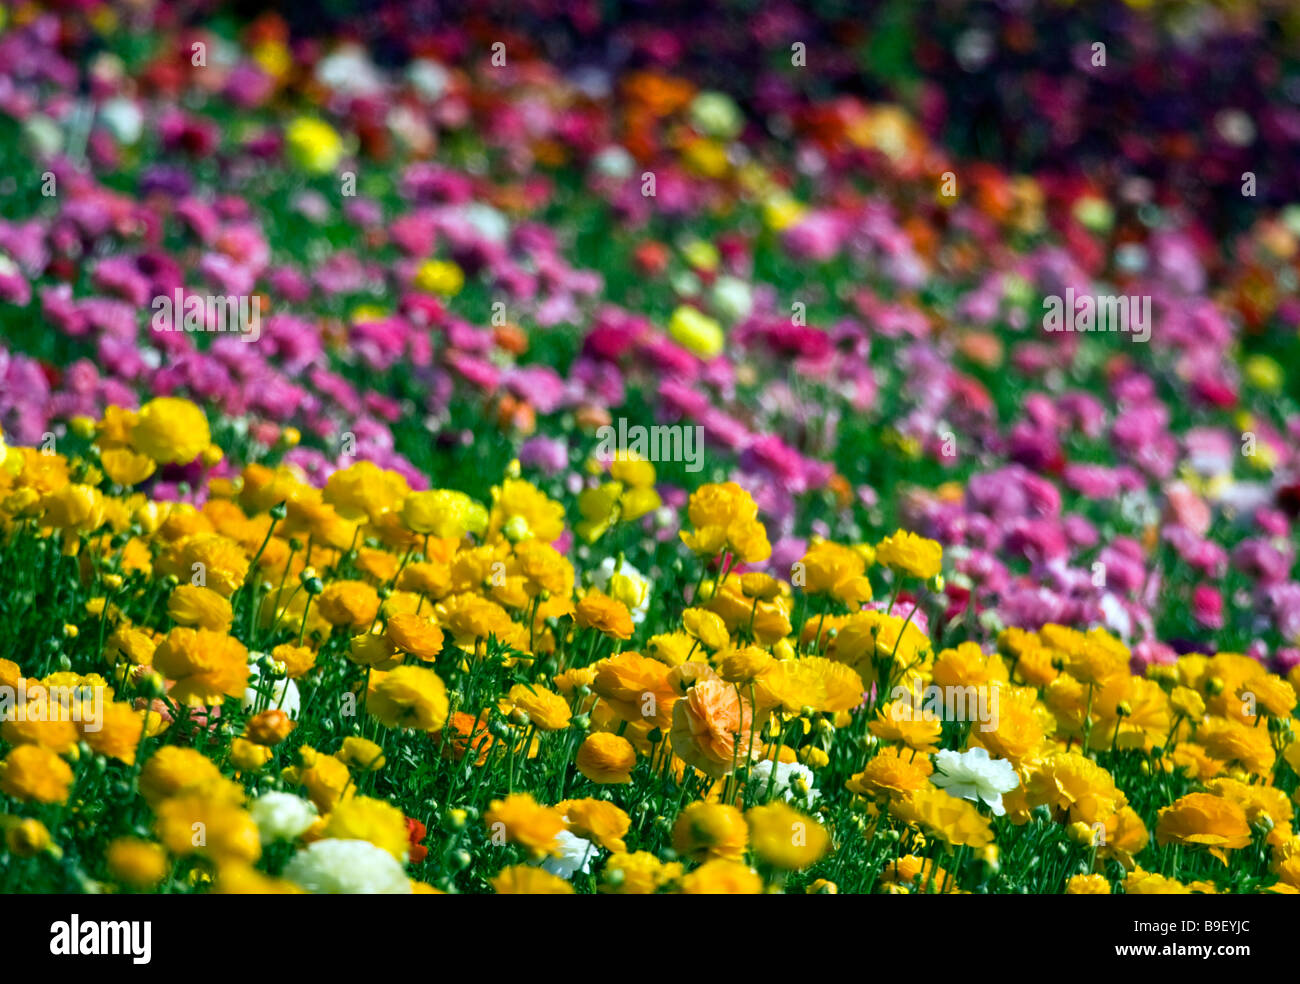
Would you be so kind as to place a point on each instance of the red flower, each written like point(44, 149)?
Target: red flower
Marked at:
point(416, 832)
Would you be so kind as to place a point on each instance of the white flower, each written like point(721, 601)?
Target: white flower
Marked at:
point(350, 71)
point(284, 692)
point(786, 775)
point(973, 775)
point(489, 223)
point(614, 162)
point(124, 118)
point(347, 867)
point(732, 297)
point(282, 816)
point(632, 588)
point(715, 114)
point(428, 78)
point(576, 854)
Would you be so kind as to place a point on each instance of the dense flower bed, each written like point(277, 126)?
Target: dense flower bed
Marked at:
point(603, 483)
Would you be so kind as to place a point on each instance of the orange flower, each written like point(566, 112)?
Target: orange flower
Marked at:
point(892, 773)
point(464, 732)
point(606, 758)
point(418, 635)
point(351, 603)
point(706, 725)
point(636, 688)
point(599, 611)
point(207, 666)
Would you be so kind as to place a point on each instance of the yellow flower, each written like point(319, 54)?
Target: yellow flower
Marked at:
point(710, 830)
point(440, 277)
point(443, 513)
point(297, 660)
point(597, 821)
point(135, 645)
point(901, 875)
point(325, 777)
point(521, 510)
point(815, 682)
point(599, 611)
point(781, 212)
point(192, 605)
point(1072, 781)
point(313, 145)
point(25, 837)
point(118, 734)
point(1187, 702)
point(43, 722)
point(547, 710)
point(521, 879)
point(696, 332)
point(207, 666)
point(720, 504)
point(522, 820)
point(362, 753)
point(195, 824)
point(1099, 660)
point(545, 568)
point(743, 664)
point(237, 878)
point(1139, 882)
point(900, 721)
point(125, 467)
point(1273, 695)
point(418, 635)
point(606, 758)
point(365, 491)
point(907, 553)
point(892, 773)
point(75, 507)
point(171, 431)
point(1087, 885)
point(353, 604)
point(954, 820)
point(1236, 743)
point(827, 564)
point(785, 838)
point(1205, 820)
point(722, 877)
point(705, 626)
point(373, 820)
point(218, 560)
point(968, 666)
point(248, 756)
point(408, 697)
point(640, 873)
point(762, 586)
point(172, 770)
point(1263, 373)
point(269, 727)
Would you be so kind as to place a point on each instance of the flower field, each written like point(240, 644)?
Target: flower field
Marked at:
point(534, 453)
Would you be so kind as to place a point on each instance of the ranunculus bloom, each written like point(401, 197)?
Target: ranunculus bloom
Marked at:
point(706, 723)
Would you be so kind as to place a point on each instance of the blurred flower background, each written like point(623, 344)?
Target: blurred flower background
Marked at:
point(338, 552)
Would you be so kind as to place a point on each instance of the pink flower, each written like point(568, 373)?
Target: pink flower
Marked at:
point(1207, 606)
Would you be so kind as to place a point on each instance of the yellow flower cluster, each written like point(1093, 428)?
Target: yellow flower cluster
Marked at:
point(454, 639)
